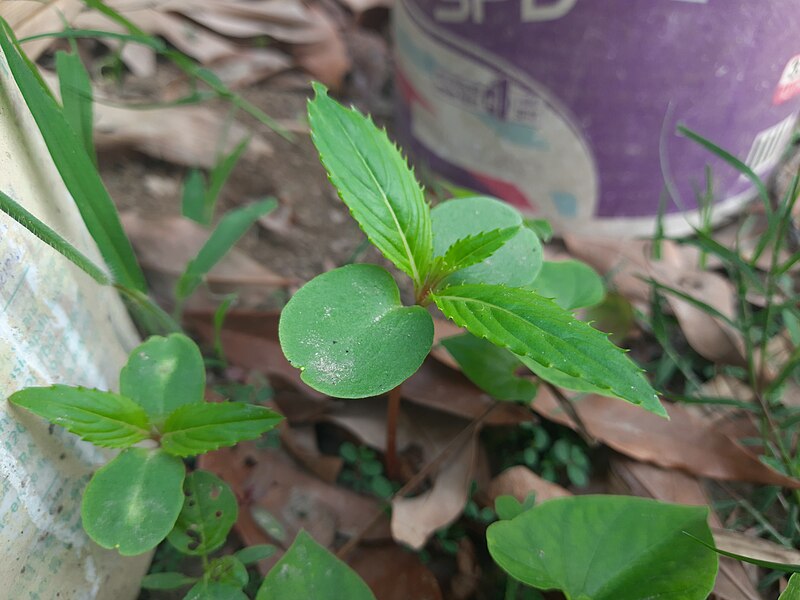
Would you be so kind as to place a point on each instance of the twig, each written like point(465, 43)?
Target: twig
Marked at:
point(392, 418)
point(412, 483)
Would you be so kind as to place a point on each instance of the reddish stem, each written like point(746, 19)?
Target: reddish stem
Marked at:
point(392, 418)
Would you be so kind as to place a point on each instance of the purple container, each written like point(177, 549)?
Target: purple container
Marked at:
point(568, 108)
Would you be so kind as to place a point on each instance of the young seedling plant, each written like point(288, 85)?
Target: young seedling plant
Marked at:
point(473, 258)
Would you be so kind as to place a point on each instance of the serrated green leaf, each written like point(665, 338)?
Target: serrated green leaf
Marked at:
point(516, 263)
point(102, 418)
point(571, 283)
point(375, 182)
point(209, 511)
point(132, 503)
point(164, 373)
point(76, 98)
point(253, 554)
point(308, 570)
point(198, 428)
point(166, 581)
point(230, 229)
point(473, 249)
point(607, 548)
point(193, 196)
point(792, 591)
point(491, 368)
point(75, 167)
point(350, 335)
point(538, 328)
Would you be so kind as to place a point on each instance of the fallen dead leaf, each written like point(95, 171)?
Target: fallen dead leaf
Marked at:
point(415, 520)
point(164, 247)
point(687, 441)
point(269, 479)
point(32, 17)
point(193, 136)
point(753, 547)
point(326, 59)
point(301, 443)
point(394, 573)
point(521, 482)
point(629, 264)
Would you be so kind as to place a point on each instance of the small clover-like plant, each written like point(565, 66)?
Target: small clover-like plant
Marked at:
point(474, 258)
point(158, 418)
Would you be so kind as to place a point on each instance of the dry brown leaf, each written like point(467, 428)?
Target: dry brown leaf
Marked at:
point(441, 388)
point(415, 520)
point(753, 547)
point(361, 6)
point(628, 263)
point(521, 482)
point(187, 135)
point(327, 59)
point(32, 17)
point(669, 485)
point(687, 442)
point(394, 573)
point(711, 337)
point(464, 584)
point(250, 341)
point(269, 479)
point(301, 443)
point(165, 246)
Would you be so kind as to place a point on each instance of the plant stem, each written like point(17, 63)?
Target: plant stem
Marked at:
point(412, 483)
point(512, 585)
point(392, 418)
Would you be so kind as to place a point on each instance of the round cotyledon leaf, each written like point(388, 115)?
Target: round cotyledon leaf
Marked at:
point(516, 263)
point(350, 335)
point(132, 503)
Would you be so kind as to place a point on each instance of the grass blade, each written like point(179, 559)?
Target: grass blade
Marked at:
point(76, 98)
point(232, 227)
point(15, 210)
point(76, 168)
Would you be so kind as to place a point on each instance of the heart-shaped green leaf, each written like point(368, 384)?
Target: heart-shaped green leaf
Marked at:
point(491, 368)
point(608, 548)
point(571, 283)
point(102, 418)
point(516, 263)
point(374, 181)
point(164, 373)
point(195, 429)
point(538, 328)
point(308, 570)
point(348, 332)
point(209, 511)
point(132, 503)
